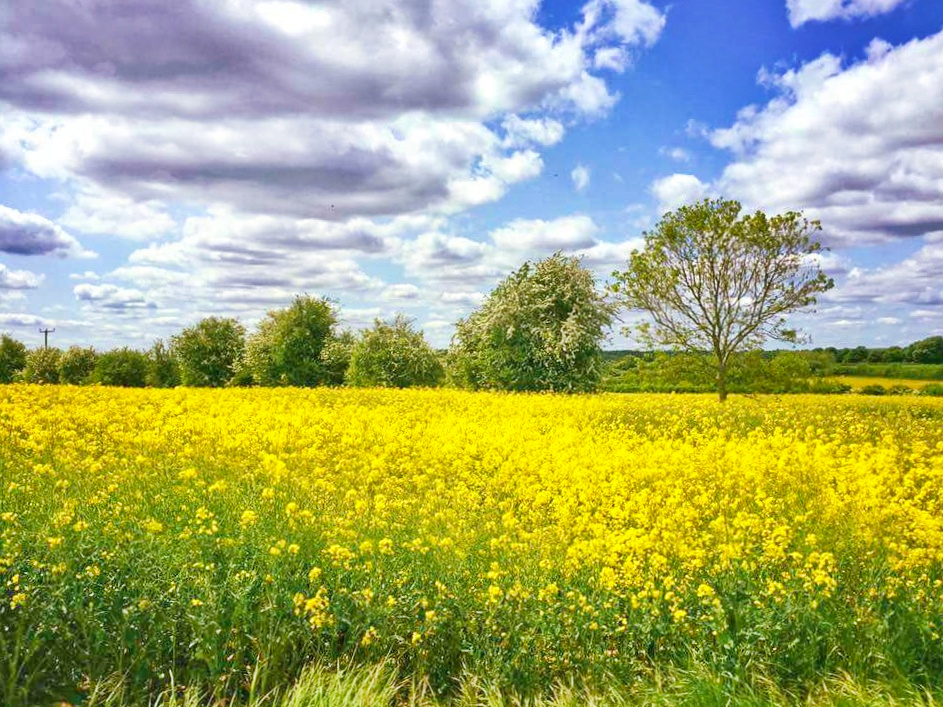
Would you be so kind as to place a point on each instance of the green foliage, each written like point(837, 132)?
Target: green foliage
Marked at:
point(874, 389)
point(77, 364)
point(122, 367)
point(540, 329)
point(335, 358)
point(162, 369)
point(12, 358)
point(394, 355)
point(714, 281)
point(42, 366)
point(286, 347)
point(209, 353)
point(927, 350)
point(934, 389)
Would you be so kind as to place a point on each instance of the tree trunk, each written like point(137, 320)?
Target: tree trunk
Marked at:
point(721, 382)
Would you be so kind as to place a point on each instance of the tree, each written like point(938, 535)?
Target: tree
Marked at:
point(162, 370)
point(394, 355)
point(42, 366)
point(927, 350)
point(209, 352)
point(122, 367)
point(286, 347)
point(540, 329)
point(77, 364)
point(335, 357)
point(12, 358)
point(717, 282)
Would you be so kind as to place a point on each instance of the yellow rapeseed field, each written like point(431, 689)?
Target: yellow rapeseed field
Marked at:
point(189, 535)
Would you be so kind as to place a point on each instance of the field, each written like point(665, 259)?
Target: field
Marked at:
point(185, 546)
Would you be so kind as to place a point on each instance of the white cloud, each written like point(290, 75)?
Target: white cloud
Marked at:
point(522, 132)
point(678, 190)
point(32, 234)
point(566, 233)
point(580, 176)
point(678, 154)
point(401, 291)
point(96, 211)
point(19, 279)
point(858, 147)
point(110, 296)
point(802, 11)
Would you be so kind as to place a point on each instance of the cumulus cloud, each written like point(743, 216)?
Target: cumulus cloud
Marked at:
point(859, 147)
point(22, 319)
point(802, 11)
point(110, 296)
point(677, 190)
point(18, 279)
point(566, 233)
point(580, 176)
point(193, 101)
point(100, 212)
point(32, 234)
point(913, 281)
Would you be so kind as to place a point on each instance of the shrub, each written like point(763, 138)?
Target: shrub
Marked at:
point(394, 355)
point(286, 347)
point(76, 365)
point(12, 358)
point(540, 329)
point(162, 369)
point(122, 367)
point(873, 389)
point(42, 366)
point(934, 389)
point(335, 358)
point(209, 352)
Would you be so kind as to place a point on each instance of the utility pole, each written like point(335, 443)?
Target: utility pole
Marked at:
point(46, 332)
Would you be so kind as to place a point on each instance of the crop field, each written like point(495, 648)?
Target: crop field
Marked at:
point(211, 546)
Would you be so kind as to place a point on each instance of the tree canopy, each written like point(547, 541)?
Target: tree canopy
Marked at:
point(394, 355)
point(209, 352)
point(540, 329)
point(715, 281)
point(287, 345)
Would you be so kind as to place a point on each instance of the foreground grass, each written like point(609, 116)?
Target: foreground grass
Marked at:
point(377, 686)
point(159, 546)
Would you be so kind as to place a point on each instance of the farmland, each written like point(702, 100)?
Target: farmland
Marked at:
point(220, 541)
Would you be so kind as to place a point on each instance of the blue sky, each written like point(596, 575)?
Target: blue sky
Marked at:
point(161, 162)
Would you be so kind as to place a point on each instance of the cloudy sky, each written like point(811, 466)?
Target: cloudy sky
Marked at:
point(165, 161)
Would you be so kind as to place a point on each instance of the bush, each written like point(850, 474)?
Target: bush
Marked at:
point(540, 329)
point(286, 347)
point(76, 365)
point(42, 366)
point(122, 367)
point(873, 389)
point(335, 358)
point(934, 389)
point(394, 355)
point(209, 352)
point(12, 358)
point(162, 369)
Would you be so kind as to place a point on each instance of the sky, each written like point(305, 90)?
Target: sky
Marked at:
point(161, 162)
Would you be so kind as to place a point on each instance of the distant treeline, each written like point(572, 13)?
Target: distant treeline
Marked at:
point(778, 371)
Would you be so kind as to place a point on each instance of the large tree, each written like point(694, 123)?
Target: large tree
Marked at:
point(712, 280)
point(540, 329)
